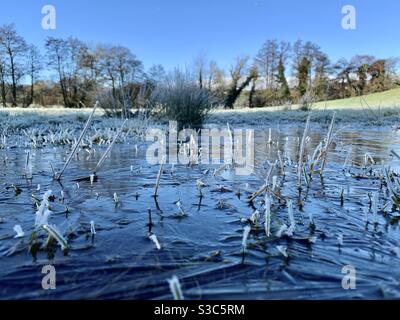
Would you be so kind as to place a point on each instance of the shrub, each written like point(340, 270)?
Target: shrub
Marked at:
point(182, 100)
point(307, 101)
point(269, 98)
point(124, 102)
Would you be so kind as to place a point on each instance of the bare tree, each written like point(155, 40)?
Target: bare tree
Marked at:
point(156, 74)
point(128, 67)
point(267, 61)
point(199, 67)
point(205, 72)
point(322, 68)
point(213, 71)
point(34, 65)
point(3, 86)
point(57, 51)
point(77, 69)
point(297, 55)
point(119, 65)
point(122, 72)
point(14, 47)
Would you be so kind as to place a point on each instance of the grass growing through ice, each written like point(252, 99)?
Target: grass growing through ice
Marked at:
point(75, 148)
point(101, 161)
point(160, 171)
point(272, 200)
point(246, 233)
point(42, 129)
point(56, 234)
point(92, 228)
point(301, 154)
point(43, 213)
point(154, 238)
point(267, 223)
point(175, 287)
point(19, 232)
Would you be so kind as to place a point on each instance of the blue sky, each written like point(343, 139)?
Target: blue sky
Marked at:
point(173, 32)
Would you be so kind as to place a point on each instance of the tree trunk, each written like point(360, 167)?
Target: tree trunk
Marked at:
point(14, 81)
point(3, 92)
point(31, 94)
point(251, 94)
point(235, 92)
point(62, 84)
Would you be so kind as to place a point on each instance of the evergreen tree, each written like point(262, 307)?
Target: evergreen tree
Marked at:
point(303, 73)
point(284, 91)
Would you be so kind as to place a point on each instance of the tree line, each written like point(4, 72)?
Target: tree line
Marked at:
point(73, 73)
point(312, 73)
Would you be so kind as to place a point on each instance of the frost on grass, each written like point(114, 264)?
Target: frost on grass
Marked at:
point(19, 232)
point(43, 213)
point(56, 234)
point(175, 287)
point(153, 238)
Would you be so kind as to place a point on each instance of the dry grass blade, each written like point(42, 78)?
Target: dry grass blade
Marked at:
point(175, 288)
point(56, 234)
point(99, 164)
point(75, 148)
point(27, 165)
point(301, 155)
point(258, 193)
point(159, 176)
point(328, 142)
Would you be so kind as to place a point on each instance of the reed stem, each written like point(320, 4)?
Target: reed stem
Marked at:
point(75, 148)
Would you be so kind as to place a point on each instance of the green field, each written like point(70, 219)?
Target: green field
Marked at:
point(390, 98)
point(381, 108)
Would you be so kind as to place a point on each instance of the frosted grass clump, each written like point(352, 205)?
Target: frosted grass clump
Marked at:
point(175, 287)
point(246, 233)
point(282, 230)
point(255, 217)
point(92, 228)
point(18, 229)
point(179, 205)
point(274, 182)
point(91, 179)
point(43, 213)
point(283, 251)
point(153, 238)
point(267, 215)
point(56, 234)
point(200, 185)
point(115, 197)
